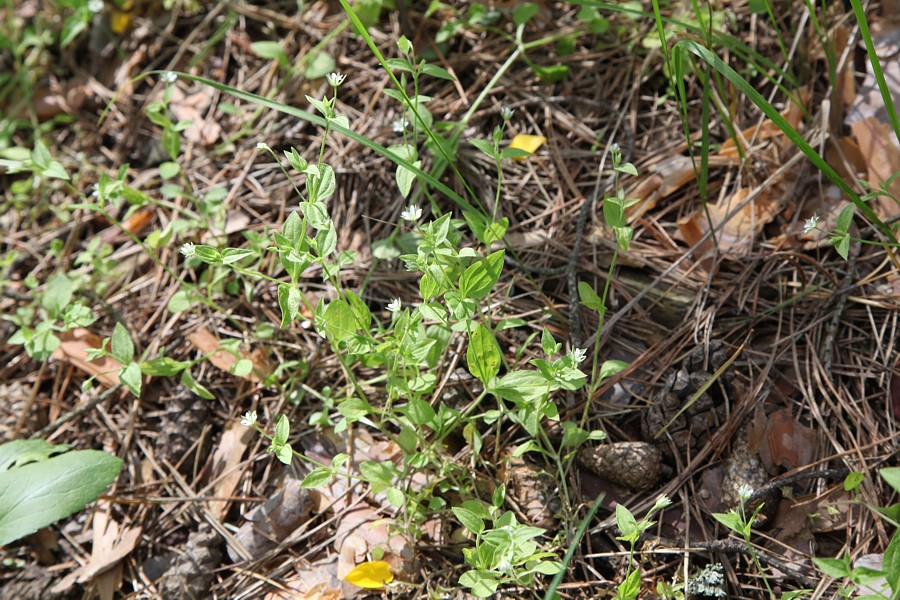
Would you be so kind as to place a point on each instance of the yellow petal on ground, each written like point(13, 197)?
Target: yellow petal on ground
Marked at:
point(371, 575)
point(528, 143)
point(120, 19)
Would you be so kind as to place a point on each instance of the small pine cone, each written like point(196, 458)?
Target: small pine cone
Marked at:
point(634, 465)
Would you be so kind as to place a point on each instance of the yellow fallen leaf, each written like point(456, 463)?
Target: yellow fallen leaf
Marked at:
point(371, 575)
point(528, 143)
point(120, 19)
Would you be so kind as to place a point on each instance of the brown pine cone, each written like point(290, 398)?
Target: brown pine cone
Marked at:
point(633, 465)
point(688, 429)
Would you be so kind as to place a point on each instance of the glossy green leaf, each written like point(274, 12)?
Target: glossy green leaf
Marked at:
point(39, 493)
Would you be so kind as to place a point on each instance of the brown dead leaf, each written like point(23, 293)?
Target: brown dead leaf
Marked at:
point(111, 543)
point(135, 223)
point(880, 151)
point(736, 235)
point(73, 349)
point(661, 180)
point(207, 343)
point(226, 459)
point(360, 531)
point(766, 132)
point(190, 108)
point(787, 442)
point(315, 581)
point(277, 518)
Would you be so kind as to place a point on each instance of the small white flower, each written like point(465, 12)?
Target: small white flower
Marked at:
point(578, 355)
point(169, 77)
point(95, 6)
point(811, 223)
point(412, 213)
point(188, 250)
point(745, 491)
point(262, 146)
point(399, 125)
point(615, 149)
point(249, 418)
point(662, 501)
point(394, 305)
point(507, 113)
point(96, 192)
point(335, 79)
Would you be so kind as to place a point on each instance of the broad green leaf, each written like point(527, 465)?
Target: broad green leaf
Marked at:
point(524, 13)
point(121, 345)
point(626, 521)
point(478, 280)
point(169, 169)
point(833, 567)
point(590, 298)
point(317, 478)
point(179, 302)
point(354, 409)
point(482, 583)
point(163, 366)
point(891, 562)
point(340, 323)
point(40, 493)
point(612, 367)
point(360, 310)
point(190, 383)
point(58, 293)
point(320, 65)
point(891, 476)
point(233, 255)
point(470, 520)
point(289, 302)
point(522, 386)
point(131, 377)
point(282, 430)
point(483, 354)
point(405, 178)
point(284, 453)
point(419, 412)
point(269, 49)
point(21, 452)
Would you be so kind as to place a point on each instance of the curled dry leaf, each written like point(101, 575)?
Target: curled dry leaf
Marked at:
point(73, 348)
point(786, 442)
point(226, 459)
point(277, 518)
point(207, 343)
point(190, 108)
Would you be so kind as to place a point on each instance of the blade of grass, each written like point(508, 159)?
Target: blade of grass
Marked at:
point(792, 134)
point(320, 121)
point(363, 32)
point(557, 579)
point(866, 35)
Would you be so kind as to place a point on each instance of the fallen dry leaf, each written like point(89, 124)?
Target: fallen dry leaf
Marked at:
point(190, 108)
point(207, 343)
point(73, 349)
point(880, 150)
point(278, 517)
point(786, 442)
point(111, 543)
point(734, 235)
point(226, 458)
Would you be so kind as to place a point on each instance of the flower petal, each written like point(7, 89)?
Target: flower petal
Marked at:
point(528, 143)
point(370, 575)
